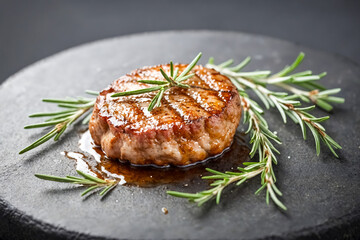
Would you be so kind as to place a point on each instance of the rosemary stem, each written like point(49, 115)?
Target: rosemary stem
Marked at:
point(217, 190)
point(293, 89)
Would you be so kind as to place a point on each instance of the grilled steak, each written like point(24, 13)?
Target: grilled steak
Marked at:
point(191, 124)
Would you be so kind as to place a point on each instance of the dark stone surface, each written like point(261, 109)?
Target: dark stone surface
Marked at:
point(322, 193)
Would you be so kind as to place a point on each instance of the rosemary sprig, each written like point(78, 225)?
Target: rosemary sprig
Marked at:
point(261, 138)
point(286, 104)
point(316, 93)
point(89, 181)
point(74, 109)
point(172, 79)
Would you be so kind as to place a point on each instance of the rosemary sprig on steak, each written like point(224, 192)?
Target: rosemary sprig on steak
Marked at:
point(93, 183)
point(171, 80)
point(287, 105)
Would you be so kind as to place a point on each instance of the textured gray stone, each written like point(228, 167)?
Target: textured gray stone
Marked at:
point(322, 193)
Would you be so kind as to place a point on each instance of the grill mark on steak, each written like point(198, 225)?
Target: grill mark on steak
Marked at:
point(137, 123)
point(174, 113)
point(208, 100)
point(186, 106)
point(165, 115)
point(198, 81)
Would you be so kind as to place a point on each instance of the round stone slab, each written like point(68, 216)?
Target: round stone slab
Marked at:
point(321, 193)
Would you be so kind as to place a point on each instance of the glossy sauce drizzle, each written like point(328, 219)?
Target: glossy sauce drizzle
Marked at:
point(92, 160)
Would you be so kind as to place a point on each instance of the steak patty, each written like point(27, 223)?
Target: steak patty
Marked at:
point(192, 124)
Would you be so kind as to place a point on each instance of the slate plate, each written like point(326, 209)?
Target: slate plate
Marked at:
point(322, 193)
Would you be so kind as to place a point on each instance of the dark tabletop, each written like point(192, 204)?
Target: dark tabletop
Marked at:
point(32, 30)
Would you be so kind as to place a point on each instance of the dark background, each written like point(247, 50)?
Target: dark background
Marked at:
point(32, 30)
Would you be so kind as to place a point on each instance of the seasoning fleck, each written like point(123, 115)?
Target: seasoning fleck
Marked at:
point(164, 210)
